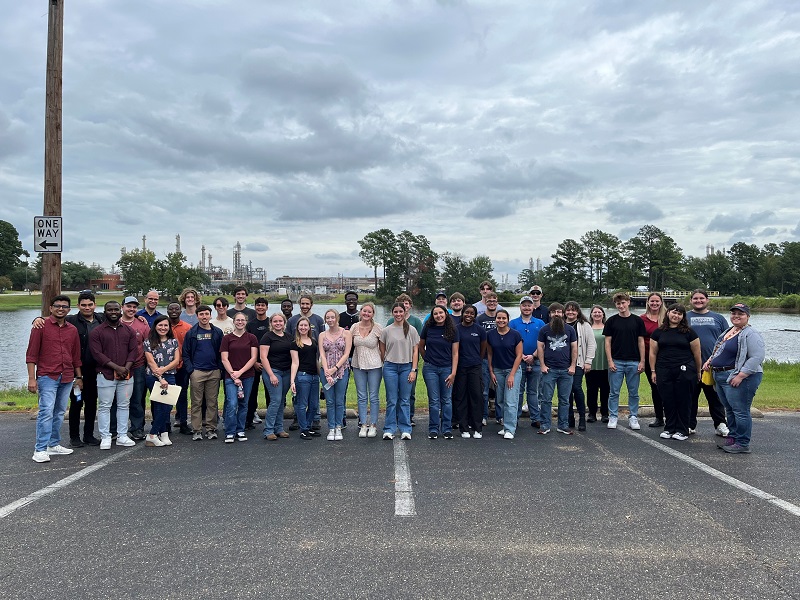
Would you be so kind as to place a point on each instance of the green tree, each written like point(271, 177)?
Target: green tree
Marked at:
point(770, 278)
point(602, 252)
point(5, 283)
point(10, 248)
point(377, 251)
point(174, 275)
point(790, 266)
point(139, 271)
point(656, 254)
point(459, 275)
point(417, 263)
point(747, 262)
point(76, 275)
point(527, 278)
point(567, 271)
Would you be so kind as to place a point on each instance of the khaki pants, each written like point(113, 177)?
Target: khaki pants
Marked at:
point(204, 390)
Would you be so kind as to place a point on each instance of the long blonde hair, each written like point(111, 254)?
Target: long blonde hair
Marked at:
point(298, 340)
point(661, 311)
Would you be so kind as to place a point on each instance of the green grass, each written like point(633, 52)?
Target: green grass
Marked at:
point(778, 391)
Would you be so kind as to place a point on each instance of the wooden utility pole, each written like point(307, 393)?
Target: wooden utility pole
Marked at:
point(51, 262)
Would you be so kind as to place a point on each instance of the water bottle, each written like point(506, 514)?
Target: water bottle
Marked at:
point(328, 386)
point(77, 391)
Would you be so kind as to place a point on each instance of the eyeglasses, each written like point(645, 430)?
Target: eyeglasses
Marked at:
point(219, 305)
point(536, 293)
point(60, 306)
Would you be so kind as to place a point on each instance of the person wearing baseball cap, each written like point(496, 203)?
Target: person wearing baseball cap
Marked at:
point(737, 366)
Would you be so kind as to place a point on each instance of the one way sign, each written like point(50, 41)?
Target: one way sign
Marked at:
point(47, 234)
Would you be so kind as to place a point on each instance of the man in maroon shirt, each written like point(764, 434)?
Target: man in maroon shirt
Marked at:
point(113, 346)
point(54, 362)
point(139, 390)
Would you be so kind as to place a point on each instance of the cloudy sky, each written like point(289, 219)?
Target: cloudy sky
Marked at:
point(498, 127)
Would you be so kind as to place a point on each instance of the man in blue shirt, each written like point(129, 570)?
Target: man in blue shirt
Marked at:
point(149, 311)
point(528, 327)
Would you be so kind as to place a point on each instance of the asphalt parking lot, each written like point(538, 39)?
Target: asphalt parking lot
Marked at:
point(601, 514)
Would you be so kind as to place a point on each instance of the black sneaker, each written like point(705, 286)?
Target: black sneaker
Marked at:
point(591, 419)
point(448, 435)
point(413, 422)
point(604, 420)
point(433, 435)
point(344, 423)
point(137, 435)
point(314, 432)
point(76, 442)
point(175, 425)
point(315, 426)
point(656, 423)
point(294, 426)
point(185, 429)
point(305, 435)
point(91, 441)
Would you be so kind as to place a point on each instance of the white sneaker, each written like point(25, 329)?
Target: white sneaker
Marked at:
point(105, 443)
point(508, 435)
point(465, 434)
point(633, 422)
point(124, 440)
point(405, 436)
point(257, 419)
point(151, 440)
point(362, 433)
point(484, 422)
point(331, 435)
point(679, 436)
point(525, 408)
point(164, 437)
point(477, 435)
point(501, 432)
point(338, 434)
point(692, 431)
point(58, 449)
point(388, 436)
point(372, 431)
point(41, 456)
point(665, 435)
point(612, 423)
point(722, 430)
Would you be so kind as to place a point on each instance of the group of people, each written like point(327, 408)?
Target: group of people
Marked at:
point(106, 363)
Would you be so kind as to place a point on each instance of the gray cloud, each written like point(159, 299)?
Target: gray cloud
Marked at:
point(256, 247)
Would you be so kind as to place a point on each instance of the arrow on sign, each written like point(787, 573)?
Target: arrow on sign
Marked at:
point(46, 245)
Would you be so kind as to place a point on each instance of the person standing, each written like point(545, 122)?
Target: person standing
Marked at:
point(85, 320)
point(597, 378)
point(675, 360)
point(457, 301)
point(335, 344)
point(488, 322)
point(163, 355)
point(190, 299)
point(367, 365)
point(485, 288)
point(238, 352)
point(416, 323)
point(150, 310)
point(115, 348)
point(202, 362)
point(139, 391)
point(504, 351)
point(528, 327)
point(399, 346)
point(468, 388)
point(179, 329)
point(53, 359)
point(539, 311)
point(653, 318)
point(438, 346)
point(558, 355)
point(708, 326)
point(305, 377)
point(347, 320)
point(222, 321)
point(276, 361)
point(573, 317)
point(287, 307)
point(737, 365)
point(240, 304)
point(624, 338)
point(258, 327)
point(315, 322)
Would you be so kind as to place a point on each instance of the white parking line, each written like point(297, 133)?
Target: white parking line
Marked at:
point(753, 491)
point(61, 483)
point(403, 490)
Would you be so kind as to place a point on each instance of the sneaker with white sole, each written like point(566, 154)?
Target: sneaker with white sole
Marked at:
point(124, 440)
point(372, 431)
point(229, 439)
point(256, 419)
point(543, 431)
point(692, 431)
point(508, 435)
point(41, 456)
point(477, 435)
point(501, 432)
point(612, 423)
point(566, 431)
point(241, 437)
point(164, 437)
point(722, 430)
point(405, 436)
point(679, 436)
point(331, 435)
point(633, 422)
point(212, 435)
point(105, 443)
point(337, 435)
point(362, 431)
point(465, 434)
point(58, 449)
point(197, 436)
point(152, 440)
point(388, 436)
point(665, 435)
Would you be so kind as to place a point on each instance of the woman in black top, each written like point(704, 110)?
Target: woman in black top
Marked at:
point(676, 364)
point(276, 360)
point(305, 377)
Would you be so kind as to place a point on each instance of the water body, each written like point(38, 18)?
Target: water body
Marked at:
point(781, 335)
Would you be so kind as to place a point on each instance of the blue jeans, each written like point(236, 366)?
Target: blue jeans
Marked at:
point(368, 382)
point(563, 380)
point(487, 380)
point(737, 402)
point(138, 395)
point(398, 397)
point(160, 410)
point(235, 411)
point(53, 399)
point(277, 400)
point(307, 399)
point(529, 380)
point(110, 391)
point(507, 399)
point(629, 369)
point(440, 398)
point(334, 401)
